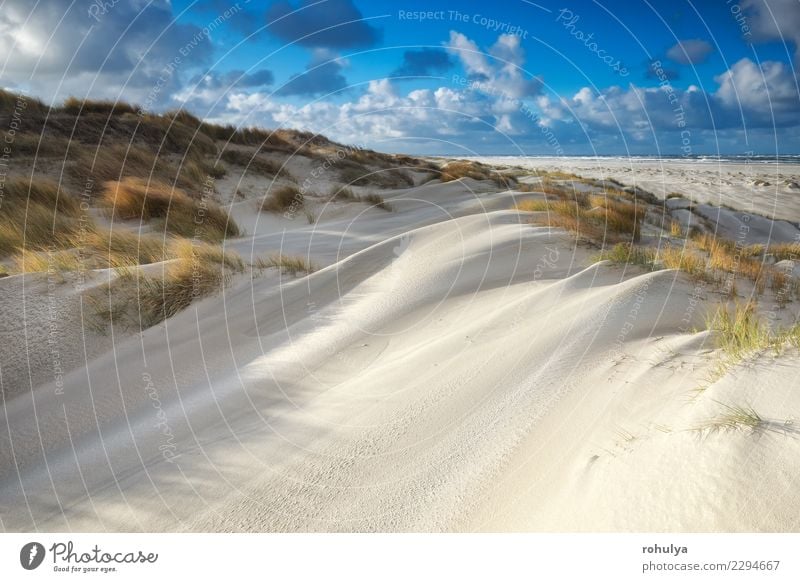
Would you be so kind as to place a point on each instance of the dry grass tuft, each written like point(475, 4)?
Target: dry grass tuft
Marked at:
point(740, 331)
point(590, 217)
point(139, 300)
point(283, 199)
point(475, 170)
point(133, 199)
point(253, 163)
point(377, 201)
point(35, 215)
point(293, 265)
point(785, 251)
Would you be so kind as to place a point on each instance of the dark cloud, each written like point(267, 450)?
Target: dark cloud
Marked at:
point(318, 79)
point(423, 62)
point(247, 19)
point(690, 52)
point(57, 48)
point(334, 24)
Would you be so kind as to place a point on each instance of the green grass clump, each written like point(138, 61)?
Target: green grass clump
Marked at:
point(628, 254)
point(740, 331)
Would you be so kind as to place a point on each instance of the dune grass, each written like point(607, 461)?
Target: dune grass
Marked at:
point(75, 105)
point(142, 300)
point(342, 193)
point(117, 161)
point(734, 418)
point(532, 205)
point(96, 248)
point(291, 264)
point(253, 163)
point(177, 213)
point(595, 218)
point(357, 174)
point(558, 175)
point(377, 201)
point(785, 251)
point(667, 257)
point(740, 331)
point(475, 170)
point(283, 199)
point(35, 214)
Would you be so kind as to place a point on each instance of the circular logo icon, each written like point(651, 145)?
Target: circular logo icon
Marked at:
point(31, 555)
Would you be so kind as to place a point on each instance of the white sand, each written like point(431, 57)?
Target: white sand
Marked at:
point(452, 368)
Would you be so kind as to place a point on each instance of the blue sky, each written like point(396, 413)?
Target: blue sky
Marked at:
point(512, 77)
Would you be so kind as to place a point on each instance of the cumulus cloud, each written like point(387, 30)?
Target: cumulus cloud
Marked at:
point(765, 93)
point(500, 69)
point(333, 24)
point(690, 52)
point(423, 62)
point(741, 102)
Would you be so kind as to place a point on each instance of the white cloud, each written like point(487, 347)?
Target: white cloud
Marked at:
point(774, 20)
point(500, 69)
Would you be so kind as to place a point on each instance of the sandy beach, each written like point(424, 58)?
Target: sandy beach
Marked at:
point(768, 187)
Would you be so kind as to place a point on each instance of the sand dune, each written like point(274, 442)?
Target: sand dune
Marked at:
point(450, 368)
